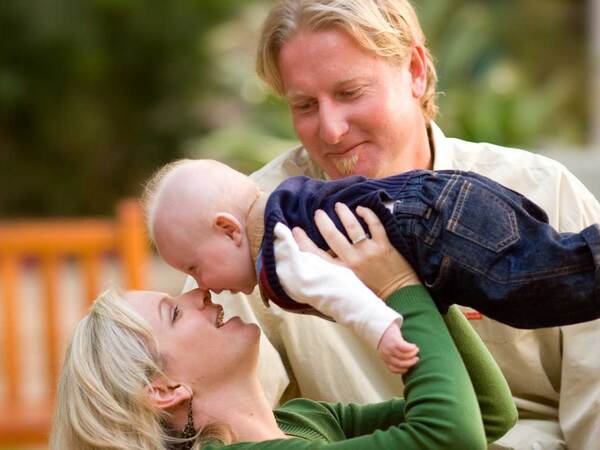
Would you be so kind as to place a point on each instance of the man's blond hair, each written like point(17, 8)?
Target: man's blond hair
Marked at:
point(388, 28)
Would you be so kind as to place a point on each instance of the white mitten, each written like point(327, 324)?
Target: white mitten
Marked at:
point(332, 289)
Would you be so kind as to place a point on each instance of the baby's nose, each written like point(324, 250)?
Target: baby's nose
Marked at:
point(207, 299)
point(199, 282)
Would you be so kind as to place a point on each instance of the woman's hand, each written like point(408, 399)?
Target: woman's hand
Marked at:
point(374, 260)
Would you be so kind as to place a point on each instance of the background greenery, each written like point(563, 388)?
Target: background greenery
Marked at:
point(94, 94)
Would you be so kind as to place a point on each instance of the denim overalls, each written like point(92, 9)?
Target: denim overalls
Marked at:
point(477, 243)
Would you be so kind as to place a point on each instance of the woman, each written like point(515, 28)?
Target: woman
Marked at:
point(143, 366)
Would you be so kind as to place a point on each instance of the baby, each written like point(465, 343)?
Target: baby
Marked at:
point(206, 220)
point(470, 240)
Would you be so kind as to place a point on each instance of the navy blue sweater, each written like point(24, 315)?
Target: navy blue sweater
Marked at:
point(471, 241)
point(294, 203)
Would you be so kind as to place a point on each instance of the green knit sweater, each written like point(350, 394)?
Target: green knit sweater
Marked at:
point(445, 407)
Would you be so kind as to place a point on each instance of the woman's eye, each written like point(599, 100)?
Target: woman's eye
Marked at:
point(176, 312)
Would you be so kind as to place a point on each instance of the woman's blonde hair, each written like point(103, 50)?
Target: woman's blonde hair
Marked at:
point(388, 28)
point(101, 401)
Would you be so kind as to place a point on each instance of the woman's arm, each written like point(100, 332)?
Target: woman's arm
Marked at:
point(372, 264)
point(440, 410)
point(497, 407)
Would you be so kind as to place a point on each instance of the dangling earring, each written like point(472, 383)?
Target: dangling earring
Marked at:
point(189, 431)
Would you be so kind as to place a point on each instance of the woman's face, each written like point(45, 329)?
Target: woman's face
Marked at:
point(197, 347)
point(355, 112)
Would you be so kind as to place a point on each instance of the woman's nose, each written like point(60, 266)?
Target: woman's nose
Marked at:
point(197, 298)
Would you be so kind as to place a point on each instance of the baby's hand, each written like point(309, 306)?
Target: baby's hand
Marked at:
point(395, 352)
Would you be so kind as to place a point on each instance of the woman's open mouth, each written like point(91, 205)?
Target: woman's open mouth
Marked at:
point(220, 317)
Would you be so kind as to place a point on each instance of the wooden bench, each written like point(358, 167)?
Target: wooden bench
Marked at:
point(48, 245)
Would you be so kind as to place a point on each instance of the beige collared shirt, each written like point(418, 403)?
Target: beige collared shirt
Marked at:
point(554, 373)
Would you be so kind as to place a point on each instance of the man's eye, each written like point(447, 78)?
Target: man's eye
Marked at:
point(176, 312)
point(351, 93)
point(304, 106)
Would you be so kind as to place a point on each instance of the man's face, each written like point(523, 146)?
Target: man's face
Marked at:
point(355, 112)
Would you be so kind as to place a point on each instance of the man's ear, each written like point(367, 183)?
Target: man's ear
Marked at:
point(231, 227)
point(166, 395)
point(418, 71)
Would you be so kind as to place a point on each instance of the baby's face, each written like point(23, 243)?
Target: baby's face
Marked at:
point(212, 259)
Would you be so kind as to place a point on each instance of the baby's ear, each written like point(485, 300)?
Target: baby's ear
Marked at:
point(227, 224)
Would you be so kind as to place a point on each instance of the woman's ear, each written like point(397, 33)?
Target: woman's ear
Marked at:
point(418, 71)
point(166, 395)
point(231, 227)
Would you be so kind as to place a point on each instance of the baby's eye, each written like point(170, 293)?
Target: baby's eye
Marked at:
point(176, 312)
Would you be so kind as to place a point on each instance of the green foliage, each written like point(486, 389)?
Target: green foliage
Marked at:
point(95, 94)
point(511, 72)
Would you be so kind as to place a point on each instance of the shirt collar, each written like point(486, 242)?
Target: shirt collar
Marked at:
point(255, 224)
point(442, 158)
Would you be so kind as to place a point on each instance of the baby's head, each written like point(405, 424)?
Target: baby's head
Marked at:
point(196, 214)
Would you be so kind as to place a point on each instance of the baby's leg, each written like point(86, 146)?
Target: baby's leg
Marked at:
point(498, 254)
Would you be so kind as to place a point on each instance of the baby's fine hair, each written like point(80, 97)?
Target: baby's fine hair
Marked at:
point(151, 190)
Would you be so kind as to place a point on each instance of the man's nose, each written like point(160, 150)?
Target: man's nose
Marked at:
point(333, 123)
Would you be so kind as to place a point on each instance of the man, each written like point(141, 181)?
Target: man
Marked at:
point(361, 88)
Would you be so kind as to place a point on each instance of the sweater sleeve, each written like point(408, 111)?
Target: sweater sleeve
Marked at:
point(440, 410)
point(498, 410)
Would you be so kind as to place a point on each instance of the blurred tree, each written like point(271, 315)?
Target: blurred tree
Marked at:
point(511, 72)
point(94, 94)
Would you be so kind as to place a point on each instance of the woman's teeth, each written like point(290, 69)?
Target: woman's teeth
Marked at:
point(220, 316)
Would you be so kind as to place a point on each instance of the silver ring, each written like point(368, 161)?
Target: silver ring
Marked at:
point(361, 238)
